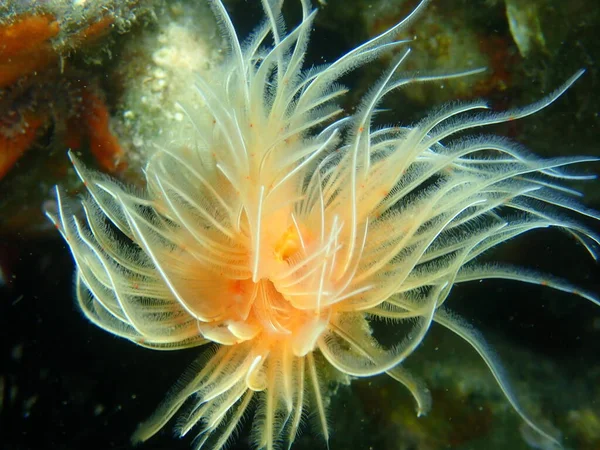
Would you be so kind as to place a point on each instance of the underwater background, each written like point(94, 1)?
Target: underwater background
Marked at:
point(65, 384)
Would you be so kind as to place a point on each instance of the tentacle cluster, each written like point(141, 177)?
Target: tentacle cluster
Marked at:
point(278, 231)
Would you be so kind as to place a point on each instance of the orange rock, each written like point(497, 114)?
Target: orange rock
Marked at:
point(26, 34)
point(94, 30)
point(25, 46)
point(103, 144)
point(25, 49)
point(25, 64)
point(12, 147)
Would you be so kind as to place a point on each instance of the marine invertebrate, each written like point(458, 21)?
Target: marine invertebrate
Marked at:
point(280, 232)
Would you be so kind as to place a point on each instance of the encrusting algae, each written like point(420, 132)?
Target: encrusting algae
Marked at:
point(279, 232)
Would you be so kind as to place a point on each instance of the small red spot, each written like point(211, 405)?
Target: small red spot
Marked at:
point(361, 129)
point(237, 288)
